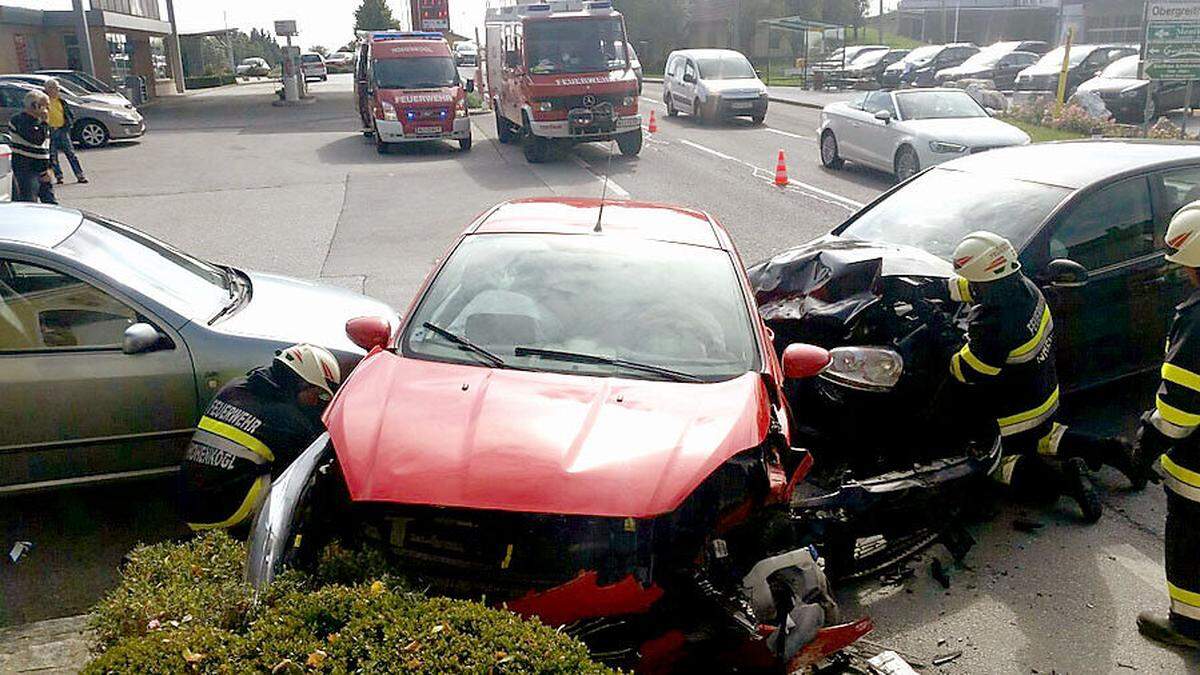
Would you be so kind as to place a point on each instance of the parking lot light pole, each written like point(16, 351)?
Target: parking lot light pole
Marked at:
point(83, 38)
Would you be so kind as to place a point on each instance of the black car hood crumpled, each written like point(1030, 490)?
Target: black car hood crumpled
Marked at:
point(819, 290)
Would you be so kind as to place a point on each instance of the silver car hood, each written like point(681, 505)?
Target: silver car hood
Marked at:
point(971, 131)
point(114, 100)
point(294, 310)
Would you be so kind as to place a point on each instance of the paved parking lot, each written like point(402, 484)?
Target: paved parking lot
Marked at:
point(298, 191)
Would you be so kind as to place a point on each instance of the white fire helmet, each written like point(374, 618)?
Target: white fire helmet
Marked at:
point(985, 256)
point(1183, 236)
point(315, 365)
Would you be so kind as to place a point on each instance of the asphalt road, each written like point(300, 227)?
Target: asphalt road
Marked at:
point(298, 191)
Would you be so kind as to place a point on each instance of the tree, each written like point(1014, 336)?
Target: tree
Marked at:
point(320, 49)
point(374, 15)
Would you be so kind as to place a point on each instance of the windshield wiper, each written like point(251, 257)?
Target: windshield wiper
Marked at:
point(578, 357)
point(466, 344)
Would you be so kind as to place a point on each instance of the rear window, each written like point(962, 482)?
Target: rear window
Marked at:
point(311, 58)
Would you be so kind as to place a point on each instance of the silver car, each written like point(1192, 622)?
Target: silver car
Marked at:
point(99, 118)
point(112, 343)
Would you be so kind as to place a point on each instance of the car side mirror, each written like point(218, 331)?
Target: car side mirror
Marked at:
point(470, 86)
point(1064, 273)
point(884, 116)
point(141, 338)
point(802, 361)
point(369, 332)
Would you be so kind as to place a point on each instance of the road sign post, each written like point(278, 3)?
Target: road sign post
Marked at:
point(1066, 66)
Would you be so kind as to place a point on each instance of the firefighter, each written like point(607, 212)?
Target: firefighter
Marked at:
point(1168, 432)
point(1008, 359)
point(254, 428)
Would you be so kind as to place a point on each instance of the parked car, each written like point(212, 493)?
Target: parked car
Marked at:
point(112, 343)
point(88, 85)
point(998, 66)
point(96, 123)
point(1133, 100)
point(340, 62)
point(312, 65)
point(466, 54)
point(903, 132)
point(920, 67)
point(5, 170)
point(567, 419)
point(867, 68)
point(253, 67)
point(839, 58)
point(713, 84)
point(1086, 61)
point(68, 86)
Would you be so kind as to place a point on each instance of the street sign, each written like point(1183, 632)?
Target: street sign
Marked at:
point(1173, 40)
point(286, 28)
point(434, 15)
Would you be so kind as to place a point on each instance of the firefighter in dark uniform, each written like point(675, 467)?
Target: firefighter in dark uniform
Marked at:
point(254, 428)
point(1008, 360)
point(1168, 439)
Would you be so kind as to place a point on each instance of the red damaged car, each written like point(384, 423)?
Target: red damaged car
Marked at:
point(581, 417)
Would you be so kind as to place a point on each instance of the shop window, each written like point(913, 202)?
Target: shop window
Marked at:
point(158, 55)
point(71, 47)
point(120, 55)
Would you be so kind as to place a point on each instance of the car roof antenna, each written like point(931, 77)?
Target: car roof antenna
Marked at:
point(604, 190)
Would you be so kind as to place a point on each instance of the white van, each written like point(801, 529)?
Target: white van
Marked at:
point(713, 84)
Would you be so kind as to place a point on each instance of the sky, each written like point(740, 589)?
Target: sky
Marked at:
point(321, 22)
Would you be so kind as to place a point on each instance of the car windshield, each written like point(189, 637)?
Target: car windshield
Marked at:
point(922, 54)
point(187, 285)
point(928, 105)
point(414, 72)
point(940, 207)
point(575, 46)
point(731, 66)
point(311, 58)
point(1123, 68)
point(663, 305)
point(1054, 57)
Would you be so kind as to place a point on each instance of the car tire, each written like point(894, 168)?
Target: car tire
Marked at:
point(671, 111)
point(830, 158)
point(91, 134)
point(504, 130)
point(536, 148)
point(465, 144)
point(630, 143)
point(381, 146)
point(324, 78)
point(906, 164)
point(758, 119)
point(698, 111)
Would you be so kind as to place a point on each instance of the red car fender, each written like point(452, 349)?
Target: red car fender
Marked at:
point(583, 598)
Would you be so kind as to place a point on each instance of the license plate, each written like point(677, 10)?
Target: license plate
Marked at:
point(741, 105)
point(429, 130)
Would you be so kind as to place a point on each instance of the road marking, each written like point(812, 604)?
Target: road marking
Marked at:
point(651, 101)
point(613, 188)
point(791, 135)
point(810, 190)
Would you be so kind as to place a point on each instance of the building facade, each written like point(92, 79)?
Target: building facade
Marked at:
point(987, 21)
point(128, 39)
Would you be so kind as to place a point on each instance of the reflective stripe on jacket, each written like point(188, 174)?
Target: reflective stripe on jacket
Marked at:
point(1177, 405)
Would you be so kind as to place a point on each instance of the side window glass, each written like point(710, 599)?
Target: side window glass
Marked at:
point(1109, 227)
point(11, 98)
point(1180, 187)
point(879, 100)
point(859, 101)
point(689, 69)
point(41, 309)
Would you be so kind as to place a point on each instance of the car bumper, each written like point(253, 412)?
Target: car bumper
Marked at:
point(739, 107)
point(122, 129)
point(393, 132)
point(564, 129)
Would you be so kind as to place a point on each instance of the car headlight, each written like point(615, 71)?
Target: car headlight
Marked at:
point(628, 101)
point(460, 109)
point(865, 368)
point(543, 106)
point(944, 147)
point(1132, 92)
point(127, 117)
point(389, 111)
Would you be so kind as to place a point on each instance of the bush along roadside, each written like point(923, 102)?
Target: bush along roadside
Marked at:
point(183, 608)
point(1072, 120)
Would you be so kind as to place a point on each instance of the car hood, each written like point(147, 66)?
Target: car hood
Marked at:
point(1111, 85)
point(421, 432)
point(815, 291)
point(959, 71)
point(971, 131)
point(1042, 71)
point(113, 100)
point(283, 308)
point(748, 86)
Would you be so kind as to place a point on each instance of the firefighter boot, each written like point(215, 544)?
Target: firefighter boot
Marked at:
point(1158, 627)
point(1120, 455)
point(1077, 485)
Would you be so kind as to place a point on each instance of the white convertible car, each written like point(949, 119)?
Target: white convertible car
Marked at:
point(902, 132)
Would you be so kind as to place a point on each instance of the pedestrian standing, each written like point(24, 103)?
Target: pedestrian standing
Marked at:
point(61, 121)
point(1168, 432)
point(30, 141)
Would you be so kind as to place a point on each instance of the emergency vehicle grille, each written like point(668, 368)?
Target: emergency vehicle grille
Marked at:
point(569, 102)
point(430, 114)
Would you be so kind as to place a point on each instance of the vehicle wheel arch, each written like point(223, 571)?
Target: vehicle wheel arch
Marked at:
point(84, 122)
point(905, 145)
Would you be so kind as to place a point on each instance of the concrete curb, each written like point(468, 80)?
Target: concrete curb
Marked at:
point(772, 99)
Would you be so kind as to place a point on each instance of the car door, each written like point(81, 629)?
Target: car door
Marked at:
point(1112, 325)
point(876, 138)
point(73, 405)
point(685, 97)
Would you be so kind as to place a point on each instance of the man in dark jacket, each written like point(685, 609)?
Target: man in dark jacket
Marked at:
point(61, 120)
point(30, 141)
point(254, 428)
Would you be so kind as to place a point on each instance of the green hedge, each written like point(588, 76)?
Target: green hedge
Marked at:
point(209, 81)
point(183, 608)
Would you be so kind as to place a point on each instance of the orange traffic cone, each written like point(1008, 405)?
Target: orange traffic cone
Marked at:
point(781, 177)
point(653, 127)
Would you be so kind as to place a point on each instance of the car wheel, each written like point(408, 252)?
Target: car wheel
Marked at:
point(758, 119)
point(536, 148)
point(465, 144)
point(504, 131)
point(671, 111)
point(92, 134)
point(907, 163)
point(829, 151)
point(630, 143)
point(380, 145)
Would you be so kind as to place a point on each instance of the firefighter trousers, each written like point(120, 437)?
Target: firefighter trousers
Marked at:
point(1032, 461)
point(1180, 469)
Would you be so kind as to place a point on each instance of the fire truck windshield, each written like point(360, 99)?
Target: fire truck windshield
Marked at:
point(575, 46)
point(417, 72)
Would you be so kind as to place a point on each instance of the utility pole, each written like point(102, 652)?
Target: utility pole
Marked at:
point(83, 38)
point(173, 49)
point(943, 36)
point(880, 21)
point(957, 7)
point(737, 28)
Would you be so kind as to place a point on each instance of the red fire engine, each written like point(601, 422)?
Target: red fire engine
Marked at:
point(558, 72)
point(409, 90)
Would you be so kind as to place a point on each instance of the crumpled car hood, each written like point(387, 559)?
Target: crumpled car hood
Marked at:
point(430, 433)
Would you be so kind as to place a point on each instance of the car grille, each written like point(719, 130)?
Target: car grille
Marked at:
point(430, 113)
point(569, 102)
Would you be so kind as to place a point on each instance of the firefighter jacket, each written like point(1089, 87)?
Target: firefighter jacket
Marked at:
point(1177, 406)
point(253, 427)
point(30, 140)
point(1009, 352)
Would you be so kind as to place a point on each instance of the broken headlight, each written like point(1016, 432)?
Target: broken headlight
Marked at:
point(865, 368)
